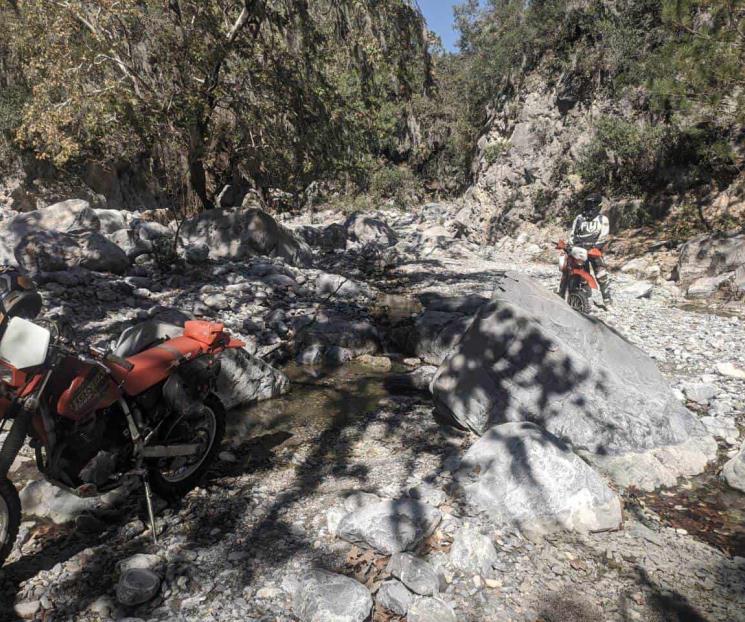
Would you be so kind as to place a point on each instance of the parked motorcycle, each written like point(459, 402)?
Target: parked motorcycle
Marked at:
point(95, 419)
point(577, 282)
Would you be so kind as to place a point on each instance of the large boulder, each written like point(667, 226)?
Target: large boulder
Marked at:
point(53, 251)
point(708, 260)
point(360, 337)
point(390, 526)
point(323, 596)
point(65, 217)
point(244, 232)
point(433, 335)
point(330, 237)
point(365, 229)
point(528, 356)
point(439, 328)
point(245, 378)
point(518, 474)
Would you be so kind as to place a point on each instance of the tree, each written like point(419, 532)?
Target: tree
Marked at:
point(279, 91)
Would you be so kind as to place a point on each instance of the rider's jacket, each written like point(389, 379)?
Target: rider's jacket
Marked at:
point(590, 232)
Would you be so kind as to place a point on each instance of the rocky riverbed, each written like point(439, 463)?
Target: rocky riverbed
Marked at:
point(343, 498)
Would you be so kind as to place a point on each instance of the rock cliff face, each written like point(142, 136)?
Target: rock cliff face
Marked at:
point(525, 158)
point(525, 169)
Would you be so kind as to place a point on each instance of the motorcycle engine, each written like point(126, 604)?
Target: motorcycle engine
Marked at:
point(88, 452)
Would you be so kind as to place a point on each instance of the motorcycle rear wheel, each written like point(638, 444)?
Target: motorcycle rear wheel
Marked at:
point(172, 480)
point(10, 517)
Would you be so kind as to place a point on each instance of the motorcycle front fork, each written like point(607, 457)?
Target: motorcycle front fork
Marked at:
point(563, 286)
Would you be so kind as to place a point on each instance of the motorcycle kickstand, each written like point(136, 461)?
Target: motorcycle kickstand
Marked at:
point(149, 503)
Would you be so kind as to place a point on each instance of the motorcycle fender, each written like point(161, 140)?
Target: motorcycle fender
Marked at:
point(31, 386)
point(586, 276)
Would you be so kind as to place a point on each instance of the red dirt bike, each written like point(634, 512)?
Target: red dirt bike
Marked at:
point(577, 282)
point(95, 419)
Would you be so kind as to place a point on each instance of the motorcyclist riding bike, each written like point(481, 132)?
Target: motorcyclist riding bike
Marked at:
point(590, 230)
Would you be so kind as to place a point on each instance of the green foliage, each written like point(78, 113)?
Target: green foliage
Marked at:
point(397, 183)
point(495, 150)
point(12, 100)
point(679, 63)
point(637, 158)
point(625, 157)
point(282, 93)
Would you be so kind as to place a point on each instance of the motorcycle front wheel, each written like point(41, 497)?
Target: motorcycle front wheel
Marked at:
point(174, 477)
point(579, 300)
point(10, 517)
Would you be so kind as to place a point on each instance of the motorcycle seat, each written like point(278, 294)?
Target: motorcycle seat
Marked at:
point(139, 337)
point(154, 365)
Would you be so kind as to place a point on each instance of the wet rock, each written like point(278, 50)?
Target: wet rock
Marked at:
point(335, 355)
point(733, 471)
point(528, 356)
point(244, 232)
point(417, 380)
point(390, 526)
point(416, 574)
point(365, 229)
point(323, 596)
point(394, 597)
point(433, 336)
point(518, 474)
point(359, 337)
point(425, 609)
point(311, 356)
point(137, 586)
point(472, 552)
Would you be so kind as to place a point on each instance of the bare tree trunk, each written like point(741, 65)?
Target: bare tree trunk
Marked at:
point(197, 174)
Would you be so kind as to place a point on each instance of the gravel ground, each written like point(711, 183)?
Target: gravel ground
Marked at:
point(231, 550)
